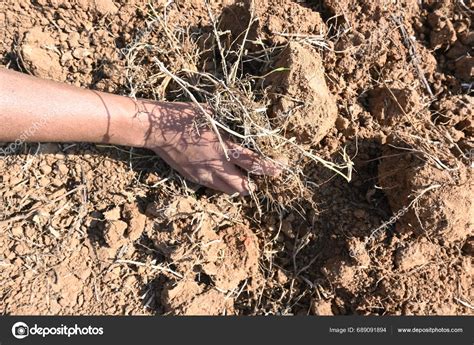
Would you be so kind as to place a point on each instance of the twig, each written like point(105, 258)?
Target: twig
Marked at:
point(413, 53)
point(236, 65)
point(155, 267)
point(467, 305)
point(316, 40)
point(218, 40)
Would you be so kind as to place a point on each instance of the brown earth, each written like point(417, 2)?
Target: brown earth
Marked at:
point(95, 229)
point(304, 84)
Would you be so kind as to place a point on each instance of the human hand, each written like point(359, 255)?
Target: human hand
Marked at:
point(170, 130)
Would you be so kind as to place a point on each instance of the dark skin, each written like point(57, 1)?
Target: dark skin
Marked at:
point(48, 111)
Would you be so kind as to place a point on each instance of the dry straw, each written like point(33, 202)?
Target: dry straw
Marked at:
point(164, 60)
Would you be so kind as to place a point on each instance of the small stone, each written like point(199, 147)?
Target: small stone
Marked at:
point(80, 53)
point(73, 39)
point(113, 214)
point(45, 169)
point(17, 231)
point(57, 182)
point(105, 7)
point(152, 179)
point(63, 37)
point(322, 308)
point(342, 123)
point(61, 23)
point(55, 307)
point(62, 168)
point(43, 182)
point(80, 300)
point(67, 56)
point(136, 221)
point(281, 277)
point(129, 281)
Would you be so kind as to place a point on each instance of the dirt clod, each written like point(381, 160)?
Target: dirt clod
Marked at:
point(322, 308)
point(447, 210)
point(105, 7)
point(392, 106)
point(115, 232)
point(415, 255)
point(302, 101)
point(188, 298)
point(40, 55)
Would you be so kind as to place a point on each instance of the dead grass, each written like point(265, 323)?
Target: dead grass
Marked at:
point(165, 61)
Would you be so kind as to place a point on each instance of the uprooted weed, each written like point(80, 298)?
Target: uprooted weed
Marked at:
point(209, 66)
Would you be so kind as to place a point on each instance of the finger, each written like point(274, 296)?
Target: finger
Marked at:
point(219, 178)
point(252, 161)
point(234, 179)
point(233, 187)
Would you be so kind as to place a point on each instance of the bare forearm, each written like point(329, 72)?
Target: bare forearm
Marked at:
point(33, 109)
